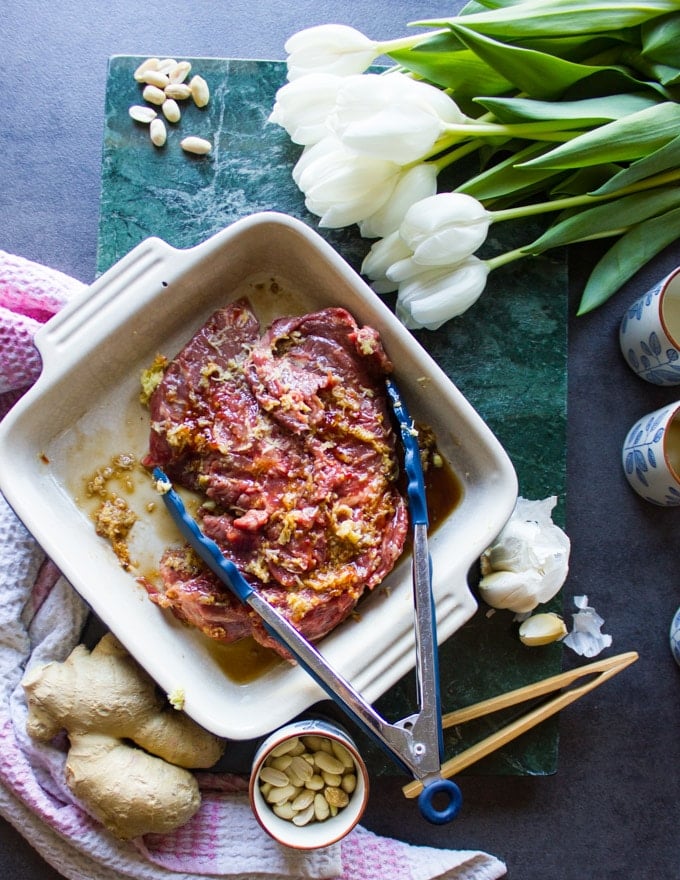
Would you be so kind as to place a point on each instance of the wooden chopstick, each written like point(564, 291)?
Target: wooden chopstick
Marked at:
point(606, 668)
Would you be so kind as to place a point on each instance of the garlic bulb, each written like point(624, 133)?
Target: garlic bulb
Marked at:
point(529, 562)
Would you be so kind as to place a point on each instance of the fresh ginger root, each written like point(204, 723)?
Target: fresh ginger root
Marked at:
point(104, 700)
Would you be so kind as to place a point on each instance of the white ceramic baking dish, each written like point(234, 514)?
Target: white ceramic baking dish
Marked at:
point(85, 408)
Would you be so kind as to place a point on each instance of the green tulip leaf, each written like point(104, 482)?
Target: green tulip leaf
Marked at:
point(590, 111)
point(626, 256)
point(444, 61)
point(585, 181)
point(666, 158)
point(625, 139)
point(661, 38)
point(538, 17)
point(543, 76)
point(605, 219)
point(504, 178)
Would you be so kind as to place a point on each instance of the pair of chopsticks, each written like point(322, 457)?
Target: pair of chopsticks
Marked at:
point(602, 669)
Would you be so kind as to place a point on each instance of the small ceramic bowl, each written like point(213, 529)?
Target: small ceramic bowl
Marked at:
point(651, 456)
point(649, 334)
point(675, 636)
point(323, 747)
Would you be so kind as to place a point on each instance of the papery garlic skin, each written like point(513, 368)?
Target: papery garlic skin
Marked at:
point(329, 48)
point(529, 561)
point(586, 637)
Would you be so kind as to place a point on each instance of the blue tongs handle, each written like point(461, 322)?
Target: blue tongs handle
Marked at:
point(427, 661)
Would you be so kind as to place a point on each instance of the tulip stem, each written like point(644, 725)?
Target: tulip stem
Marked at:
point(540, 131)
point(454, 155)
point(409, 42)
point(527, 249)
point(584, 199)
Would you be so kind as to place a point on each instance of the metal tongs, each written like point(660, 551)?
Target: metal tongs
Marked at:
point(414, 743)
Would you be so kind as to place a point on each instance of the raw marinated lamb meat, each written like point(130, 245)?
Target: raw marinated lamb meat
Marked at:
point(286, 434)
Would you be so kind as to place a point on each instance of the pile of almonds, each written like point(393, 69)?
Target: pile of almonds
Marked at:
point(308, 779)
point(164, 82)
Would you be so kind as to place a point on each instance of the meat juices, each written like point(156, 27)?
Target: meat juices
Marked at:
point(287, 436)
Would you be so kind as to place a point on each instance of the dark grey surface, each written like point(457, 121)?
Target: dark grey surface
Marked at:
point(611, 810)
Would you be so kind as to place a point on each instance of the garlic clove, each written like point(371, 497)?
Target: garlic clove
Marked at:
point(542, 629)
point(513, 590)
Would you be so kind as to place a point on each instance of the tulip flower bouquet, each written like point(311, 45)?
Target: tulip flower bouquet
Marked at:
point(568, 108)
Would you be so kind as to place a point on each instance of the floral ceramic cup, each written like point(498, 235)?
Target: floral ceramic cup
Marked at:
point(651, 456)
point(650, 333)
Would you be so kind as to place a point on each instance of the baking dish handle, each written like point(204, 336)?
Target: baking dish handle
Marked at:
point(81, 325)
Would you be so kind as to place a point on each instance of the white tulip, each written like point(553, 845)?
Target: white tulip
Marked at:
point(302, 107)
point(342, 187)
point(392, 116)
point(381, 256)
point(315, 153)
point(329, 48)
point(435, 296)
point(445, 228)
point(413, 185)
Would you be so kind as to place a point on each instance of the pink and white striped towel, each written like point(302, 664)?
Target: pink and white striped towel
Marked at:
point(41, 618)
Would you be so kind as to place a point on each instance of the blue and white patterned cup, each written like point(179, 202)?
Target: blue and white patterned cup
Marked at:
point(651, 456)
point(650, 333)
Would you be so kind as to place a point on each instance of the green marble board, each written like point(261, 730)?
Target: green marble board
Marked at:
point(507, 354)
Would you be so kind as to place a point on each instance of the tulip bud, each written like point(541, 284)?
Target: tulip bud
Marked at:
point(329, 48)
point(413, 185)
point(381, 256)
point(443, 229)
point(435, 296)
point(392, 117)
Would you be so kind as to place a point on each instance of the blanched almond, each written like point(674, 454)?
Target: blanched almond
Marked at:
point(179, 72)
point(165, 65)
point(142, 114)
point(199, 91)
point(178, 91)
point(157, 132)
point(144, 67)
point(196, 145)
point(171, 110)
point(154, 95)
point(155, 78)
